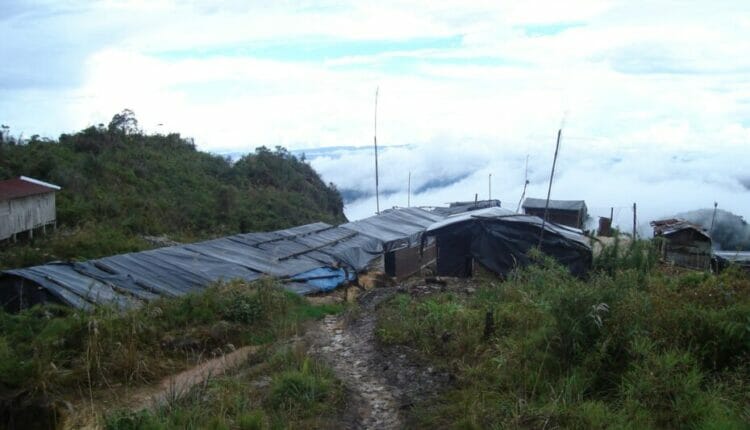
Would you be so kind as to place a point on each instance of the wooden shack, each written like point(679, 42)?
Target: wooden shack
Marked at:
point(572, 213)
point(26, 204)
point(683, 244)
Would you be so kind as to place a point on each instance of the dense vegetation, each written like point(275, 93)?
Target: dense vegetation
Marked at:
point(59, 352)
point(635, 346)
point(119, 183)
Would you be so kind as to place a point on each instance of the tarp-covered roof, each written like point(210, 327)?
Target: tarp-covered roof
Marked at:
point(460, 207)
point(311, 257)
point(395, 228)
point(561, 205)
point(510, 216)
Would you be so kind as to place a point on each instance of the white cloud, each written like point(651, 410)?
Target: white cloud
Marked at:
point(474, 86)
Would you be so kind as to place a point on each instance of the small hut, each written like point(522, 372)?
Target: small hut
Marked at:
point(26, 204)
point(684, 244)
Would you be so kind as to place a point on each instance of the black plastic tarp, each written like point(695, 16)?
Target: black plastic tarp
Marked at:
point(396, 228)
point(500, 240)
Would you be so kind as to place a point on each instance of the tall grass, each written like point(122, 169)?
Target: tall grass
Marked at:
point(286, 390)
point(54, 349)
point(630, 347)
point(640, 255)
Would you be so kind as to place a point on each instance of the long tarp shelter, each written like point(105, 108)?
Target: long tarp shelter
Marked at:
point(400, 232)
point(309, 258)
point(500, 240)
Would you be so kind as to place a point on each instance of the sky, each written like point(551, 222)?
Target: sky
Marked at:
point(653, 97)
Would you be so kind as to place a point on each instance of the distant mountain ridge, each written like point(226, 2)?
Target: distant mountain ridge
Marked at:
point(312, 153)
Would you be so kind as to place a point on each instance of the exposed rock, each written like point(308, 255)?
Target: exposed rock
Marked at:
point(160, 241)
point(352, 293)
point(372, 280)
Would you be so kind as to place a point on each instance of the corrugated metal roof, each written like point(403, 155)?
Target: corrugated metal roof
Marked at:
point(565, 205)
point(23, 187)
point(666, 227)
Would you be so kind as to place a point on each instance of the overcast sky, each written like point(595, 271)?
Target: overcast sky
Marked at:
point(653, 96)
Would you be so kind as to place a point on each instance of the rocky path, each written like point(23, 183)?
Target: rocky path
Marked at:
point(348, 346)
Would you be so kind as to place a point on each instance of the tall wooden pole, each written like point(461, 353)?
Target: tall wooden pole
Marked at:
point(549, 189)
point(375, 138)
point(635, 232)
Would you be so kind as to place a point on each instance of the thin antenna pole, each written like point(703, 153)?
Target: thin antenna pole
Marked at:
point(489, 193)
point(408, 192)
point(525, 183)
point(549, 189)
point(375, 138)
point(713, 218)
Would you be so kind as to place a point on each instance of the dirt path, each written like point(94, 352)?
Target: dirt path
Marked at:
point(87, 416)
point(349, 348)
point(175, 386)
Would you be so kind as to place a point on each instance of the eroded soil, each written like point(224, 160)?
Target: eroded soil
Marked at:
point(382, 382)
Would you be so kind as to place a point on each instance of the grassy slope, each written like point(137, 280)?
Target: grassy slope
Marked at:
point(632, 348)
point(58, 353)
point(118, 185)
point(285, 389)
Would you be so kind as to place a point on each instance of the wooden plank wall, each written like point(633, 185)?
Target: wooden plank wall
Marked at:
point(26, 213)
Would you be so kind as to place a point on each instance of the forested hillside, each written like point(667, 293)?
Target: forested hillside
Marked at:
point(119, 184)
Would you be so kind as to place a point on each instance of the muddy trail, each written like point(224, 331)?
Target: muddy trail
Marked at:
point(382, 383)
